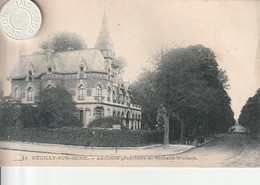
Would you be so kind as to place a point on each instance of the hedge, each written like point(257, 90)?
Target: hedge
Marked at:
point(83, 136)
point(106, 122)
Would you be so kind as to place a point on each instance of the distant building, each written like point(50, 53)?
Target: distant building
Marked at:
point(91, 76)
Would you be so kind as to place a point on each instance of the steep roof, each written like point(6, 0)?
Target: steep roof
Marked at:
point(63, 62)
point(104, 41)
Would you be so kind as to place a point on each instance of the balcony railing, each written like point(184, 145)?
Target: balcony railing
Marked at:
point(99, 98)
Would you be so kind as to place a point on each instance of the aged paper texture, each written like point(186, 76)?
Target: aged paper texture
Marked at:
point(102, 51)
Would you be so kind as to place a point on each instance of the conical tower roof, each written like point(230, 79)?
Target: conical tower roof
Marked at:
point(104, 41)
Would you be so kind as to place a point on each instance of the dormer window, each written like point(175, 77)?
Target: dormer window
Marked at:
point(99, 90)
point(81, 72)
point(29, 76)
point(49, 70)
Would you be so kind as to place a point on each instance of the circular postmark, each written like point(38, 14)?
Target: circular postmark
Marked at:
point(20, 19)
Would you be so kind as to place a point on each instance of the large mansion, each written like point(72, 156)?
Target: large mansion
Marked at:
point(92, 76)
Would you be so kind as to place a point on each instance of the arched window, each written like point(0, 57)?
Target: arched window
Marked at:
point(81, 72)
point(118, 114)
point(30, 76)
point(99, 90)
point(108, 93)
point(114, 114)
point(123, 97)
point(114, 96)
point(99, 112)
point(81, 90)
point(123, 115)
point(16, 92)
point(29, 94)
point(108, 112)
point(49, 70)
point(109, 75)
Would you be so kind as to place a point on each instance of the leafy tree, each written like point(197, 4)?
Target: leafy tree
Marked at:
point(1, 89)
point(189, 85)
point(250, 114)
point(63, 41)
point(57, 108)
point(192, 88)
point(29, 116)
point(8, 113)
point(143, 92)
point(121, 63)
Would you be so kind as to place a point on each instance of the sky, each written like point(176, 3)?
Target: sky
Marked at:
point(139, 28)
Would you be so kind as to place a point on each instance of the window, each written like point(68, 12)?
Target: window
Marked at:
point(108, 112)
point(16, 92)
point(29, 94)
point(99, 112)
point(49, 69)
point(123, 97)
point(81, 92)
point(108, 93)
point(99, 91)
point(81, 72)
point(89, 92)
point(29, 76)
point(114, 96)
point(81, 115)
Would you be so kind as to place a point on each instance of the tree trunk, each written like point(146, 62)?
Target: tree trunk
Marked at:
point(166, 131)
point(182, 132)
point(182, 127)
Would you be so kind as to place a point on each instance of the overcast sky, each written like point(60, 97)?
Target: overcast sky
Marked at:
point(139, 28)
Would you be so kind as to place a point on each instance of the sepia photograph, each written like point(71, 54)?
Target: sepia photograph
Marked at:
point(122, 83)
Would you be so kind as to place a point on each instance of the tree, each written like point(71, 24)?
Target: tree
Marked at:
point(192, 88)
point(29, 116)
point(250, 114)
point(57, 108)
point(121, 63)
point(8, 114)
point(143, 92)
point(1, 89)
point(63, 41)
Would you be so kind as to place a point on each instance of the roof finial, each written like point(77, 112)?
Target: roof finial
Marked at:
point(104, 22)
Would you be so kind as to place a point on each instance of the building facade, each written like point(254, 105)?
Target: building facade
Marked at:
point(92, 76)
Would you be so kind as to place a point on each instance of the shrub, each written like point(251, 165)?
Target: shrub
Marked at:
point(106, 122)
point(29, 116)
point(57, 109)
point(8, 114)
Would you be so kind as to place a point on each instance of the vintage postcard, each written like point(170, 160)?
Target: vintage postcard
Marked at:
point(112, 83)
